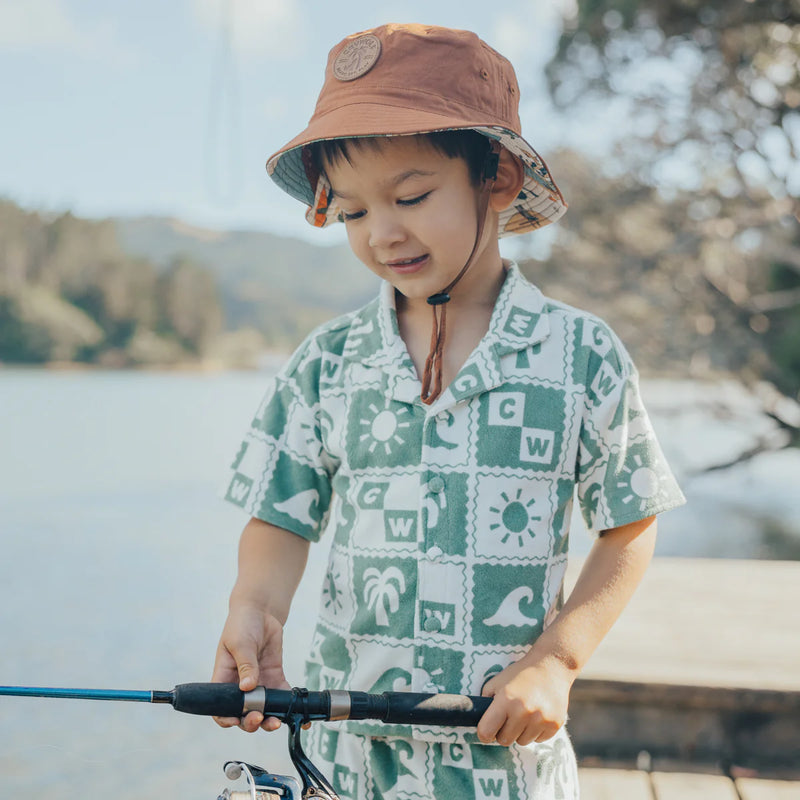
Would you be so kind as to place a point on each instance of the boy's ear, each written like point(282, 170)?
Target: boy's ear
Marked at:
point(510, 177)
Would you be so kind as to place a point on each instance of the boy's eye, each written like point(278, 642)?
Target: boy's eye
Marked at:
point(414, 200)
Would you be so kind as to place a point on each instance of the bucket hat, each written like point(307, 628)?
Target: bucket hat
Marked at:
point(409, 79)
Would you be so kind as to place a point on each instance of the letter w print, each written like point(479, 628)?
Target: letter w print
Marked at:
point(521, 427)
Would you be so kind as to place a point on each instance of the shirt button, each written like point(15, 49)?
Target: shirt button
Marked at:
point(435, 551)
point(436, 484)
point(432, 625)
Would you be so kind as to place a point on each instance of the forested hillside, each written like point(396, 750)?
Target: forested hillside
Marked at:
point(278, 285)
point(683, 294)
point(69, 292)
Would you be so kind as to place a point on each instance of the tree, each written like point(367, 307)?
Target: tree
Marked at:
point(189, 304)
point(21, 342)
point(708, 95)
point(69, 292)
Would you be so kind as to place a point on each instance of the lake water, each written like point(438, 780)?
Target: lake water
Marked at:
point(118, 556)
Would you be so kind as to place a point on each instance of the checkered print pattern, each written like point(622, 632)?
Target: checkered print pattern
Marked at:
point(449, 523)
point(364, 768)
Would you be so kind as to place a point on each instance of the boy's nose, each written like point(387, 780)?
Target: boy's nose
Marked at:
point(385, 230)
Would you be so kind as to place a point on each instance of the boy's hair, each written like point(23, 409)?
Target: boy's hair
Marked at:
point(467, 144)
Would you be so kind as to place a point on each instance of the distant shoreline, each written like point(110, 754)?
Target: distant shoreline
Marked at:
point(266, 361)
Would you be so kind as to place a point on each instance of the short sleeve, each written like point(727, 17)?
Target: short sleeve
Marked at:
point(281, 473)
point(622, 475)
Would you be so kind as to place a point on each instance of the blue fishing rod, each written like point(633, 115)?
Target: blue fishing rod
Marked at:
point(88, 694)
point(296, 707)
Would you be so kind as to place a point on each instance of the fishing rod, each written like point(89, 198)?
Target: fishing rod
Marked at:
point(295, 707)
point(227, 700)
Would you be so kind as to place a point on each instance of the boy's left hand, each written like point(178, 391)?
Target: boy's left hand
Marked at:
point(530, 702)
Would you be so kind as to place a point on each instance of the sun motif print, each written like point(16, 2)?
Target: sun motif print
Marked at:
point(514, 518)
point(383, 429)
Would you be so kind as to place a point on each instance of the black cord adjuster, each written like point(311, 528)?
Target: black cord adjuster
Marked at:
point(438, 299)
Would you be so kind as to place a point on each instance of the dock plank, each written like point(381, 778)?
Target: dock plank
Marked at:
point(661, 638)
point(683, 786)
point(614, 784)
point(758, 789)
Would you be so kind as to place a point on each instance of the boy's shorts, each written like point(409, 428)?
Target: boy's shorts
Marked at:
point(368, 768)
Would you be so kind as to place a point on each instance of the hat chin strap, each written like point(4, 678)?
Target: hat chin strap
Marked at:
point(432, 374)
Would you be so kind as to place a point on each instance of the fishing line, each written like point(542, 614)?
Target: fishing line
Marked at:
point(223, 159)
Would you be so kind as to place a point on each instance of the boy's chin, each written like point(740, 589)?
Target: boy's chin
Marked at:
point(410, 295)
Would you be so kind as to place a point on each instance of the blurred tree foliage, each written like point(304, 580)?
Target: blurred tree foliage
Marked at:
point(69, 293)
point(699, 190)
point(188, 305)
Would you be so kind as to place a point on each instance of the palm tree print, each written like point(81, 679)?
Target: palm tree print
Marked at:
point(382, 592)
point(553, 768)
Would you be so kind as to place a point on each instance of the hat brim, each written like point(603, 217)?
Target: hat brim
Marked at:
point(539, 203)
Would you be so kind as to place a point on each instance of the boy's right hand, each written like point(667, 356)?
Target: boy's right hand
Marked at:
point(250, 653)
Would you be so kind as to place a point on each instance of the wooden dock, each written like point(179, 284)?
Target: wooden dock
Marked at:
point(695, 693)
point(619, 784)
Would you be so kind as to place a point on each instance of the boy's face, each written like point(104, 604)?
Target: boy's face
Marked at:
point(411, 214)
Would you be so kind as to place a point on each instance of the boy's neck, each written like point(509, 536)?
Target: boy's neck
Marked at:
point(469, 314)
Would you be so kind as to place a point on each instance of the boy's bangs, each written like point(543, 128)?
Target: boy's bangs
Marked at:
point(334, 151)
point(466, 143)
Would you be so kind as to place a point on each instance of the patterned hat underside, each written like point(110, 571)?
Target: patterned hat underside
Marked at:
point(539, 202)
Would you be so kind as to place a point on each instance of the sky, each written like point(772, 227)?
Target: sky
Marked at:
point(118, 108)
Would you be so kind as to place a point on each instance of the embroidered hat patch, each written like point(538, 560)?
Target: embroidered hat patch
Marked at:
point(358, 58)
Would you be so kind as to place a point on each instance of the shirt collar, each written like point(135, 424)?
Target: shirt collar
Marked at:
point(518, 321)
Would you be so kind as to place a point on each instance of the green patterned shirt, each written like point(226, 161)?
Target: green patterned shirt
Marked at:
point(450, 522)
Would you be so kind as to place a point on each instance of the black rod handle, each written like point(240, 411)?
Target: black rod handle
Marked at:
point(450, 710)
point(228, 700)
point(208, 699)
point(415, 708)
point(410, 708)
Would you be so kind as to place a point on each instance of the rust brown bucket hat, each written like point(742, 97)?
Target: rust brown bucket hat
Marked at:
point(405, 79)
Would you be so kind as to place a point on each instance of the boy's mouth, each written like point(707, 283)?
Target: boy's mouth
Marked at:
point(406, 266)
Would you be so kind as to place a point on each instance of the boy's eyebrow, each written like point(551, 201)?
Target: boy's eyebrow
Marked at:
point(393, 182)
point(410, 173)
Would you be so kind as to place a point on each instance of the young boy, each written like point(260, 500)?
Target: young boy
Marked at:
point(440, 434)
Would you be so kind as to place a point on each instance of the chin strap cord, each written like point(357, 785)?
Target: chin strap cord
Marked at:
point(433, 363)
point(432, 374)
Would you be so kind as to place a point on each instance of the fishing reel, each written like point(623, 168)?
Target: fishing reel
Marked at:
point(261, 785)
point(264, 785)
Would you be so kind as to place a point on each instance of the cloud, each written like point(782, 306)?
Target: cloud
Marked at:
point(38, 23)
point(259, 28)
point(49, 25)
